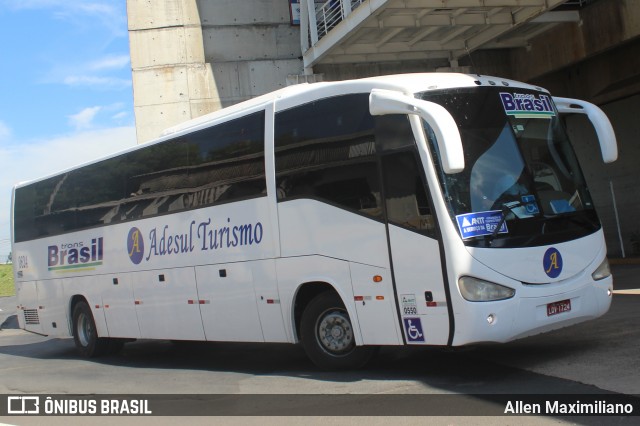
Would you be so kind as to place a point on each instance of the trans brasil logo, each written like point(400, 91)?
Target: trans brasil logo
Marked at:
point(75, 255)
point(527, 105)
point(552, 263)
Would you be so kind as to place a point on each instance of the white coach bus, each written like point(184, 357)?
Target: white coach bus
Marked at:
point(419, 209)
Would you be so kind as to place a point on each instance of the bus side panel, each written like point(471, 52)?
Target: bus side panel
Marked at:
point(166, 304)
point(119, 307)
point(228, 303)
point(53, 308)
point(313, 227)
point(29, 316)
point(321, 236)
point(268, 299)
point(294, 272)
point(375, 304)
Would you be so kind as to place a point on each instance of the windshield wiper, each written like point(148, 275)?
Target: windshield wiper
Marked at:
point(506, 209)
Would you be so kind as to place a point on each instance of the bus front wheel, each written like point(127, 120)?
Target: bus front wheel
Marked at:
point(85, 333)
point(327, 335)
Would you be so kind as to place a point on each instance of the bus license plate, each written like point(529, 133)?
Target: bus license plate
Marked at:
point(558, 307)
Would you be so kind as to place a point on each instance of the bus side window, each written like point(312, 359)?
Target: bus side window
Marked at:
point(226, 161)
point(405, 193)
point(325, 150)
point(219, 164)
point(406, 198)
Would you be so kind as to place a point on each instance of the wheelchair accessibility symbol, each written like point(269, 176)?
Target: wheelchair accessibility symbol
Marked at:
point(413, 328)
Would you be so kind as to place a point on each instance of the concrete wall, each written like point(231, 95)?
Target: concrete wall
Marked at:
point(335, 72)
point(603, 25)
point(601, 79)
point(250, 45)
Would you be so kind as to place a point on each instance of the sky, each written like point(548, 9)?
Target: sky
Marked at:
point(65, 90)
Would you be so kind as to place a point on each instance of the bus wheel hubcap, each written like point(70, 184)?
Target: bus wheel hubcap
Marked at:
point(84, 330)
point(334, 332)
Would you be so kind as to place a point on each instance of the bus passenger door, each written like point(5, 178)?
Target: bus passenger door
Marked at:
point(414, 249)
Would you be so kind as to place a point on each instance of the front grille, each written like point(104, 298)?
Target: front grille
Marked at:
point(31, 316)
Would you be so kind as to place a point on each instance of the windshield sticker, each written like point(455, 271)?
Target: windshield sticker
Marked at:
point(527, 105)
point(561, 206)
point(480, 223)
point(524, 209)
point(530, 205)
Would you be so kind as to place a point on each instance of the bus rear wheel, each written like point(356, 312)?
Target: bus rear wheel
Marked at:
point(85, 333)
point(327, 335)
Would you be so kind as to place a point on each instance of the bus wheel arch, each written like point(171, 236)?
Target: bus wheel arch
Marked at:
point(304, 295)
point(326, 330)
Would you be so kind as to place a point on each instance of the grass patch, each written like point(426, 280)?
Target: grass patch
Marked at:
point(6, 281)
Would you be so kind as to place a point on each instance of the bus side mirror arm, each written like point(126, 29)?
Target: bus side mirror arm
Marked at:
point(602, 125)
point(383, 102)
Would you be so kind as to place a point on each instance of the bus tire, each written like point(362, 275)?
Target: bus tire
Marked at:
point(85, 334)
point(327, 335)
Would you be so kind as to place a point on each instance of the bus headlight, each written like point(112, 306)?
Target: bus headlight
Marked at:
point(602, 271)
point(477, 290)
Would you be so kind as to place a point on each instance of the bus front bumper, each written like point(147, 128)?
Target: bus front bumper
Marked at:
point(524, 316)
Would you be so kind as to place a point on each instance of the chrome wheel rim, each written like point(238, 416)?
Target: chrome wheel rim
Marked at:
point(85, 329)
point(334, 332)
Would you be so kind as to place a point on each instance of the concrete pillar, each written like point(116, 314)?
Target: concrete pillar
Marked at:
point(251, 46)
point(172, 83)
point(192, 57)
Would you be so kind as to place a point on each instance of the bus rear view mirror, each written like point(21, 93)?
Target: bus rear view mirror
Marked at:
point(598, 118)
point(383, 102)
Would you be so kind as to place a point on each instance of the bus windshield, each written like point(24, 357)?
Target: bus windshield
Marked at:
point(522, 184)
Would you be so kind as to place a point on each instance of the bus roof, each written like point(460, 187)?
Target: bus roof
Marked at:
point(407, 83)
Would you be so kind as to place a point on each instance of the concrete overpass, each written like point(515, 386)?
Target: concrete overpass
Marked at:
point(360, 31)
